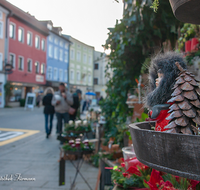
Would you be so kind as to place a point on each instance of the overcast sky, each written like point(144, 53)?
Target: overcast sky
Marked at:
point(85, 20)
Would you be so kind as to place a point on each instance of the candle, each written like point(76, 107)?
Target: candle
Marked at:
point(194, 44)
point(188, 46)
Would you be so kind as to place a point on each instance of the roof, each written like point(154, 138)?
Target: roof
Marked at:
point(68, 36)
point(55, 30)
point(24, 17)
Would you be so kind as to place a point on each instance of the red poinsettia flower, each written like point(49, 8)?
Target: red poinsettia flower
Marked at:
point(123, 164)
point(125, 174)
point(193, 184)
point(134, 170)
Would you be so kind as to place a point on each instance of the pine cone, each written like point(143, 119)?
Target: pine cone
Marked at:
point(185, 111)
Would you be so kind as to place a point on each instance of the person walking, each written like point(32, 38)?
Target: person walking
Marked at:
point(62, 100)
point(76, 98)
point(48, 110)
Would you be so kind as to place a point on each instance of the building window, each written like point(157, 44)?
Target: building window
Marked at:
point(78, 76)
point(20, 35)
point(95, 80)
point(84, 78)
point(50, 51)
point(12, 60)
point(65, 75)
point(72, 54)
point(43, 44)
point(1, 29)
point(29, 38)
point(12, 31)
point(42, 68)
point(1, 15)
point(78, 56)
point(90, 60)
point(89, 78)
point(21, 63)
point(1, 62)
point(84, 58)
point(37, 67)
point(29, 65)
point(49, 73)
point(72, 75)
point(56, 53)
point(51, 38)
point(61, 43)
point(61, 55)
point(66, 56)
point(56, 41)
point(96, 66)
point(79, 46)
point(55, 73)
point(60, 74)
point(66, 46)
point(37, 42)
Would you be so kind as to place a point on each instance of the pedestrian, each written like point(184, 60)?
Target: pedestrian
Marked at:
point(38, 99)
point(48, 110)
point(62, 100)
point(76, 98)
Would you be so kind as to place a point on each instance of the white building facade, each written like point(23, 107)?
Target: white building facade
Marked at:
point(100, 80)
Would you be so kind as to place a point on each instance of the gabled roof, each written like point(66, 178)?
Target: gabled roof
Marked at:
point(55, 30)
point(24, 17)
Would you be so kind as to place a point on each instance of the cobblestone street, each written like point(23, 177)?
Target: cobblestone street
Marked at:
point(35, 156)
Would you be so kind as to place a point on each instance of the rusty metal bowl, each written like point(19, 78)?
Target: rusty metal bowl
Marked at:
point(186, 10)
point(177, 154)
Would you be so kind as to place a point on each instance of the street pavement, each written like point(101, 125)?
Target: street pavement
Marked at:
point(34, 156)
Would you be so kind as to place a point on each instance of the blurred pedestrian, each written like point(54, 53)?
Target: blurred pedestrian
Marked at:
point(38, 99)
point(77, 96)
point(48, 110)
point(62, 100)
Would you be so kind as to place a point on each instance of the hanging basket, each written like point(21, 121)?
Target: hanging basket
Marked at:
point(177, 154)
point(186, 10)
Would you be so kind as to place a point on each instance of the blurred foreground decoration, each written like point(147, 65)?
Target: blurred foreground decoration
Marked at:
point(186, 11)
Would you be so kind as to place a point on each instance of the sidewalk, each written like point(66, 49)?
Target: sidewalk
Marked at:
point(37, 157)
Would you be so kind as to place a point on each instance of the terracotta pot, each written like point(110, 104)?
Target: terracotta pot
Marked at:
point(186, 10)
point(177, 154)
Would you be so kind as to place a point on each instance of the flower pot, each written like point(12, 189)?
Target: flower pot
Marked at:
point(186, 11)
point(177, 154)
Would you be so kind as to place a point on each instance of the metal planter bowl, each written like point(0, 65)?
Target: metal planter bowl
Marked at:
point(176, 154)
point(186, 10)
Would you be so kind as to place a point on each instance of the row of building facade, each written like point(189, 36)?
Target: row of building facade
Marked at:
point(42, 56)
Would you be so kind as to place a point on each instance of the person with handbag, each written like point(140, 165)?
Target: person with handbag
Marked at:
point(62, 100)
point(76, 105)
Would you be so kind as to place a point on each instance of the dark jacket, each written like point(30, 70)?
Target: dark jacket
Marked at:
point(76, 103)
point(48, 108)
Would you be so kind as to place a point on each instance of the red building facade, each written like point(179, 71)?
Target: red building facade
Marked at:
point(26, 52)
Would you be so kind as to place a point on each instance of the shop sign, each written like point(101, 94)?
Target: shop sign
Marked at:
point(39, 78)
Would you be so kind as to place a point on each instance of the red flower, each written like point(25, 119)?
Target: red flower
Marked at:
point(123, 164)
point(193, 184)
point(125, 174)
point(134, 170)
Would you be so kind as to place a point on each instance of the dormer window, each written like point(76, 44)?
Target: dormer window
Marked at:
point(49, 26)
point(60, 33)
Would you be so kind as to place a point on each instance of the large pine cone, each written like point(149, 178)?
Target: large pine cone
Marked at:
point(185, 111)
